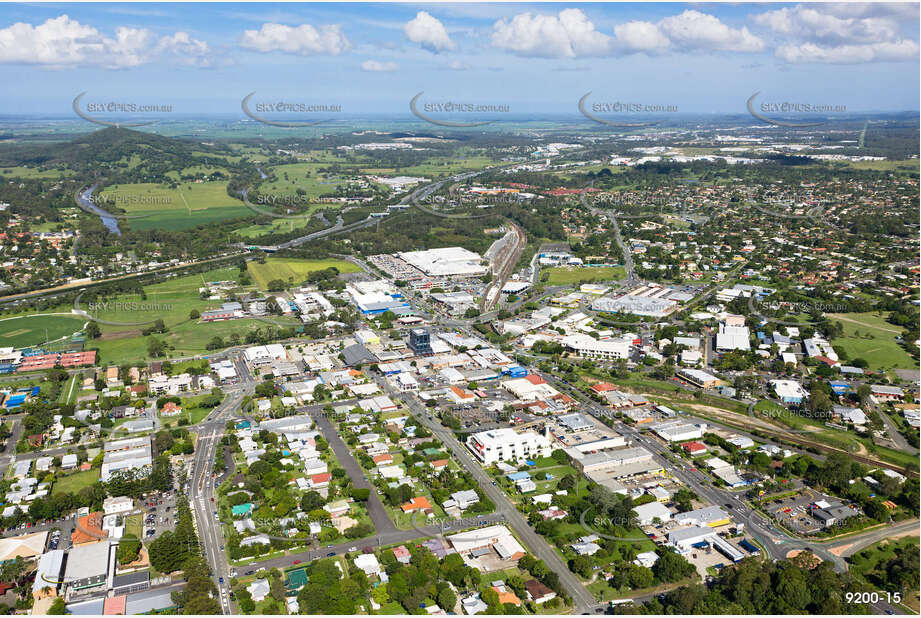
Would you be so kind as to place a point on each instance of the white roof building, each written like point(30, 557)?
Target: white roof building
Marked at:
point(446, 262)
point(647, 513)
point(733, 338)
point(589, 347)
point(508, 445)
point(368, 563)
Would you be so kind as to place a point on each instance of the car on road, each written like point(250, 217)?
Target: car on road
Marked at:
point(296, 562)
point(332, 553)
point(353, 548)
point(220, 580)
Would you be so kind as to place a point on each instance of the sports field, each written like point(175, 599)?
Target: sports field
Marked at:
point(293, 271)
point(155, 206)
point(562, 275)
point(33, 330)
point(870, 337)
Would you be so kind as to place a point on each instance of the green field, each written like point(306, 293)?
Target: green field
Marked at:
point(275, 226)
point(171, 301)
point(563, 275)
point(31, 172)
point(36, 329)
point(187, 339)
point(73, 483)
point(155, 206)
point(875, 342)
point(293, 271)
point(908, 165)
point(304, 179)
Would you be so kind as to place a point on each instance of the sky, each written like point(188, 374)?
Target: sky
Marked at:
point(532, 57)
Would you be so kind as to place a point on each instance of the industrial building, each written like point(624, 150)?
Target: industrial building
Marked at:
point(637, 305)
point(731, 337)
point(712, 516)
point(646, 514)
point(686, 540)
point(446, 262)
point(678, 430)
point(129, 454)
point(589, 347)
point(699, 378)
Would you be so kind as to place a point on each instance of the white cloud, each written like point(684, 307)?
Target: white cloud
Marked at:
point(569, 34)
point(640, 36)
point(303, 40)
point(185, 49)
point(428, 32)
point(850, 54)
point(63, 42)
point(375, 66)
point(841, 34)
point(457, 65)
point(808, 24)
point(695, 30)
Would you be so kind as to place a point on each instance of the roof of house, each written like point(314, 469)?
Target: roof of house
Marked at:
point(507, 596)
point(400, 551)
point(537, 589)
point(417, 503)
point(88, 529)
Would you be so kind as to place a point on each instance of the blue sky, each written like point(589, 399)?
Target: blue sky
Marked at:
point(701, 57)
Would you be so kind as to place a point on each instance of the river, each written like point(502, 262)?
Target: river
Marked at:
point(85, 201)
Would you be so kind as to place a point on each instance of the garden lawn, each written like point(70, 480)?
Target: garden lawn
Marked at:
point(73, 483)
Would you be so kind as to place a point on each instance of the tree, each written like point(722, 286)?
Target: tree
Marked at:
point(447, 599)
point(672, 567)
point(155, 347)
point(91, 331)
point(58, 607)
point(129, 547)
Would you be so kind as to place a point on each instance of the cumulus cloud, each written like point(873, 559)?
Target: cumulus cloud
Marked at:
point(803, 22)
point(457, 65)
point(63, 42)
point(841, 34)
point(428, 32)
point(570, 34)
point(640, 36)
point(696, 30)
point(375, 66)
point(303, 40)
